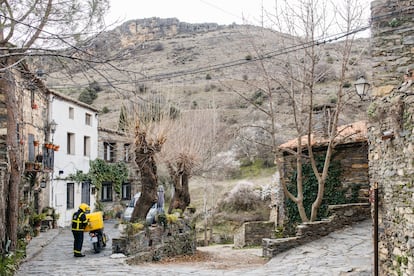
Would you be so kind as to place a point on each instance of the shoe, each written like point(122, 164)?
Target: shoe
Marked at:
point(79, 255)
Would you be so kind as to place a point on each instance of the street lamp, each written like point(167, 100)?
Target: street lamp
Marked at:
point(361, 87)
point(52, 126)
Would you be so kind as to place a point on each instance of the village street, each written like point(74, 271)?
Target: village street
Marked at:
point(345, 252)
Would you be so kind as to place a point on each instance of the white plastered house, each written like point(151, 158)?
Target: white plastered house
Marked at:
point(77, 135)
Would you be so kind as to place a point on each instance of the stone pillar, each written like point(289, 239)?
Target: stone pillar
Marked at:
point(391, 133)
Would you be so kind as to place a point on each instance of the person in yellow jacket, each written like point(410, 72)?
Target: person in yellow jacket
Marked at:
point(79, 223)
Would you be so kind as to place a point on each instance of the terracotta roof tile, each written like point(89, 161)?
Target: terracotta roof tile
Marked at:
point(350, 133)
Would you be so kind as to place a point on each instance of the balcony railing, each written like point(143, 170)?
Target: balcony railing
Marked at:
point(43, 162)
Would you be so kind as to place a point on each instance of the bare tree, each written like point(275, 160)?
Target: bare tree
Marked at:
point(145, 150)
point(187, 151)
point(292, 76)
point(26, 27)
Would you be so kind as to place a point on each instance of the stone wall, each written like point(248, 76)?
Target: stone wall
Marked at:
point(252, 233)
point(391, 133)
point(342, 215)
point(353, 158)
point(156, 242)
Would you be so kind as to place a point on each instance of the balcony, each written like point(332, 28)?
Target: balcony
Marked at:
point(43, 162)
point(31, 166)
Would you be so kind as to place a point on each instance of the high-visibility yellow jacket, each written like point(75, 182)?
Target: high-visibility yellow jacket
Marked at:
point(79, 221)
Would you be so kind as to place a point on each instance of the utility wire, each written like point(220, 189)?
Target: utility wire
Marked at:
point(233, 63)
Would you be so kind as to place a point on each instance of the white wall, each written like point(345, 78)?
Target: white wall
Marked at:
point(66, 164)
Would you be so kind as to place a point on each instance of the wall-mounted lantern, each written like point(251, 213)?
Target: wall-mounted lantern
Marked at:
point(43, 183)
point(362, 87)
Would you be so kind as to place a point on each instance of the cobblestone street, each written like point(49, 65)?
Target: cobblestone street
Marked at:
point(345, 252)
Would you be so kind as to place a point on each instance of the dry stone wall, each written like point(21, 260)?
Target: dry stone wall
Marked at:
point(391, 133)
point(157, 242)
point(252, 233)
point(342, 215)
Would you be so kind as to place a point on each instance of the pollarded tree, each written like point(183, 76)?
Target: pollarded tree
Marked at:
point(188, 151)
point(26, 29)
point(146, 147)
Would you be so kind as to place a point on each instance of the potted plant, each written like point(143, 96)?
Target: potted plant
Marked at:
point(56, 147)
point(36, 143)
point(49, 145)
point(37, 166)
point(29, 166)
point(36, 221)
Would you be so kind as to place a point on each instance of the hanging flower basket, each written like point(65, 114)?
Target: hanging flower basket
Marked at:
point(56, 147)
point(36, 143)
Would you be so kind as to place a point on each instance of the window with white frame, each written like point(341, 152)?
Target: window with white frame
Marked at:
point(126, 190)
point(109, 152)
point(106, 194)
point(127, 155)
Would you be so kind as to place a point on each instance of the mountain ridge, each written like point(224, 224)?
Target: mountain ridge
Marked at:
point(165, 56)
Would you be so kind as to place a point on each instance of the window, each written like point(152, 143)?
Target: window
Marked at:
point(32, 97)
point(71, 143)
point(86, 193)
point(86, 146)
point(31, 147)
point(71, 113)
point(88, 119)
point(126, 190)
point(127, 155)
point(70, 195)
point(109, 151)
point(106, 194)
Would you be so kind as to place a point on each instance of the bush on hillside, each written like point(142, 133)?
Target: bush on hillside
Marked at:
point(243, 197)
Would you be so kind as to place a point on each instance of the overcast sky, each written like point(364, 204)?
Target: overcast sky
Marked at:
point(195, 11)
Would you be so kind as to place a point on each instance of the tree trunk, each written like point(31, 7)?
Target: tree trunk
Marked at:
point(11, 185)
point(144, 158)
point(181, 198)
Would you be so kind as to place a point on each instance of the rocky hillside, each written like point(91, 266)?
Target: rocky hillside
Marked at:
point(194, 66)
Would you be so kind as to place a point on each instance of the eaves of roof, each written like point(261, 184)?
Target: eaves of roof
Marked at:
point(351, 133)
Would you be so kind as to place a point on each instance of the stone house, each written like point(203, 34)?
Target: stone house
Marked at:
point(36, 162)
point(351, 151)
point(116, 146)
point(391, 134)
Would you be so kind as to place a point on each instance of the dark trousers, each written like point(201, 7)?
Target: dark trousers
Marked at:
point(78, 241)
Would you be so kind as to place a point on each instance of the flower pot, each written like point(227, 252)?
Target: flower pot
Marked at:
point(56, 147)
point(36, 143)
point(49, 146)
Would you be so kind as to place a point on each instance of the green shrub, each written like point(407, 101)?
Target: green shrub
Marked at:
point(105, 110)
point(10, 263)
point(88, 96)
point(334, 193)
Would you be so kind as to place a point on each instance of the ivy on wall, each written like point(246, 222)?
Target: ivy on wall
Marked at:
point(334, 192)
point(101, 171)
